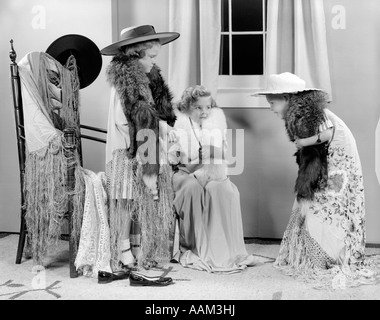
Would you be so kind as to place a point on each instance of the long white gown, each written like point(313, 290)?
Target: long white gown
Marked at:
point(211, 232)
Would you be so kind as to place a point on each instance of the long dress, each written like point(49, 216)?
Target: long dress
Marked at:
point(325, 237)
point(135, 166)
point(129, 196)
point(211, 232)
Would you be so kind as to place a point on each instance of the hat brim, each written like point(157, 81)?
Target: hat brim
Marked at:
point(162, 37)
point(264, 93)
point(86, 52)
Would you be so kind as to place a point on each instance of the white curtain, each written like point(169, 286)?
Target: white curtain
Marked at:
point(297, 41)
point(194, 57)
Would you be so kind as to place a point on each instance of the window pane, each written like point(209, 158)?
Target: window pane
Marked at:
point(224, 65)
point(247, 15)
point(225, 20)
point(247, 55)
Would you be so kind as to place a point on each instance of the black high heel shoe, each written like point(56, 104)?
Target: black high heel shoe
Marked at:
point(139, 280)
point(107, 277)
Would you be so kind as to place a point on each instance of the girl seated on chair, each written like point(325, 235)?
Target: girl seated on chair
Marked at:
point(207, 202)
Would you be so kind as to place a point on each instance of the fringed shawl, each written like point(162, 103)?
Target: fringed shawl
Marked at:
point(45, 179)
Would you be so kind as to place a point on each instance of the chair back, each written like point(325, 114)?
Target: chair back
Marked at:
point(19, 116)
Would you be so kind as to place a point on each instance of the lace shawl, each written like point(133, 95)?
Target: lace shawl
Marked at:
point(45, 190)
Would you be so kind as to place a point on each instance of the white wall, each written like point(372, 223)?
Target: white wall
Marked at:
point(18, 21)
point(138, 12)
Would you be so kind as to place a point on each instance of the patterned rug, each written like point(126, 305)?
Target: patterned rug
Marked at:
point(262, 282)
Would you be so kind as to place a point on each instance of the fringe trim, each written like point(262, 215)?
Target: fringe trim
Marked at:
point(45, 179)
point(129, 197)
point(47, 197)
point(307, 261)
point(155, 217)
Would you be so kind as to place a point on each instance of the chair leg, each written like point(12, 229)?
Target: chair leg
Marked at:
point(72, 249)
point(21, 240)
point(70, 146)
point(173, 240)
point(73, 271)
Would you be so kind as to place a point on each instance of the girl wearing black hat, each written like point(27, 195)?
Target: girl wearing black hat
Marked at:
point(139, 188)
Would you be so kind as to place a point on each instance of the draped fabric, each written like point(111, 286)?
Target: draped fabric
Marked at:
point(45, 179)
point(297, 41)
point(94, 248)
point(324, 242)
point(194, 57)
point(39, 128)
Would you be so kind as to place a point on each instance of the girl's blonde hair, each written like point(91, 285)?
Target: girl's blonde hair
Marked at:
point(138, 50)
point(191, 95)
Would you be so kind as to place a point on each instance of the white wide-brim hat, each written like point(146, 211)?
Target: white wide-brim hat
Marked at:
point(284, 83)
point(136, 34)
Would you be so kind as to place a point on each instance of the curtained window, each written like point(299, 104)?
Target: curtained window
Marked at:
point(243, 37)
point(231, 45)
point(297, 42)
point(292, 38)
point(243, 43)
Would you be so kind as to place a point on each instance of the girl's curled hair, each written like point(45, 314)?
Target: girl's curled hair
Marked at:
point(138, 50)
point(191, 95)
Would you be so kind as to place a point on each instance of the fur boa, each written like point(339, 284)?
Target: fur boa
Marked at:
point(145, 99)
point(304, 116)
point(162, 96)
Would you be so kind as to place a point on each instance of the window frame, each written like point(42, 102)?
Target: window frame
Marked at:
point(240, 87)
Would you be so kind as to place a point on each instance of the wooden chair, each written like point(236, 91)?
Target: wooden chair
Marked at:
point(71, 145)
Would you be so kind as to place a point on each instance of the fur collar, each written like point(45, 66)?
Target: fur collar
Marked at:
point(305, 114)
point(130, 81)
point(145, 99)
point(134, 85)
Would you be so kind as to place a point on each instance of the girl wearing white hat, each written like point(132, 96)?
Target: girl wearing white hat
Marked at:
point(326, 231)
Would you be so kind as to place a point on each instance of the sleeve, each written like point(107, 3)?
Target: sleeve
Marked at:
point(327, 124)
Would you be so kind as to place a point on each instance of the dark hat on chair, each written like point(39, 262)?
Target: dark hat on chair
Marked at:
point(136, 34)
point(86, 53)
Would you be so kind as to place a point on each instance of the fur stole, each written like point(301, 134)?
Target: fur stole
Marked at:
point(162, 96)
point(303, 119)
point(145, 99)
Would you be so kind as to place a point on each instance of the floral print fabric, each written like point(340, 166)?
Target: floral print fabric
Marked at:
point(325, 237)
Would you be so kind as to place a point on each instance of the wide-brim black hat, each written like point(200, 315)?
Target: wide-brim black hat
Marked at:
point(86, 52)
point(137, 34)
